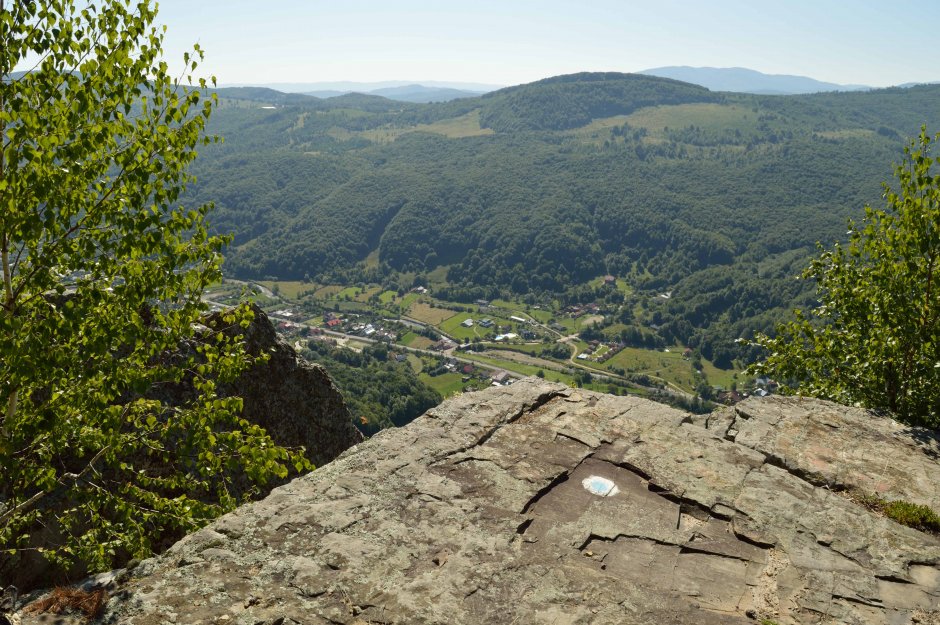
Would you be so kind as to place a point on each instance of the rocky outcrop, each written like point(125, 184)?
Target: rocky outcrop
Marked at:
point(294, 400)
point(536, 503)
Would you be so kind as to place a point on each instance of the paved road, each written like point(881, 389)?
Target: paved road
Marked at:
point(452, 353)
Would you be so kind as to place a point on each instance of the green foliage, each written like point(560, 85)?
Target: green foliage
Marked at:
point(379, 391)
point(716, 197)
point(564, 102)
point(874, 338)
point(102, 276)
point(914, 515)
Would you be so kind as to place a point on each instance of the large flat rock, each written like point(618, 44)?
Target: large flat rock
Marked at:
point(536, 503)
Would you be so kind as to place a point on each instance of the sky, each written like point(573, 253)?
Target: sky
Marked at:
point(507, 42)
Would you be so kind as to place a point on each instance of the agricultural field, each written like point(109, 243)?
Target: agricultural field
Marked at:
point(427, 314)
point(327, 292)
point(572, 324)
point(454, 128)
point(670, 367)
point(416, 363)
point(708, 116)
point(288, 289)
point(719, 377)
point(457, 127)
point(446, 384)
point(540, 315)
point(350, 292)
point(408, 300)
point(387, 297)
point(365, 294)
point(416, 341)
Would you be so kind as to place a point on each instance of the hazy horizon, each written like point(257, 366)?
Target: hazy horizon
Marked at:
point(506, 43)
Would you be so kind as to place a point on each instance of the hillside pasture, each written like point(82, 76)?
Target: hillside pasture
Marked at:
point(670, 367)
point(367, 293)
point(453, 128)
point(327, 292)
point(707, 116)
point(457, 127)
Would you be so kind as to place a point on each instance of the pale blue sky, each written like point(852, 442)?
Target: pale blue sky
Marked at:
point(506, 42)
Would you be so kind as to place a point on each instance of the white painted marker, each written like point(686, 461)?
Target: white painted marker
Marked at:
point(600, 486)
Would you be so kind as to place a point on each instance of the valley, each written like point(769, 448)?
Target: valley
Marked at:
point(530, 194)
point(599, 347)
point(613, 231)
point(454, 347)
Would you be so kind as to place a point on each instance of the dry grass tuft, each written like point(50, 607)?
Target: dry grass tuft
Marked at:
point(89, 602)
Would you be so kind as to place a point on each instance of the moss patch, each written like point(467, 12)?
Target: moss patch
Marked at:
point(906, 513)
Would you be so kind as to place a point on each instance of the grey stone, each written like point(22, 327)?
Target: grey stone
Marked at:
point(480, 512)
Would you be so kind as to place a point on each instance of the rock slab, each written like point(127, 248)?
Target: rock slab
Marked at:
point(536, 503)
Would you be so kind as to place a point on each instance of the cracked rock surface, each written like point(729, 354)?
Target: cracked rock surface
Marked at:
point(536, 503)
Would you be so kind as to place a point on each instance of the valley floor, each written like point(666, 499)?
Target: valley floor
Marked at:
point(456, 347)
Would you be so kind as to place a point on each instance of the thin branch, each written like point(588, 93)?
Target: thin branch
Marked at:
point(74, 477)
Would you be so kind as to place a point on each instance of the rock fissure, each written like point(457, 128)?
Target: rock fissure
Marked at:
point(612, 539)
point(894, 579)
point(633, 469)
point(810, 477)
point(858, 599)
point(353, 543)
point(556, 481)
point(559, 479)
point(537, 403)
point(688, 548)
point(752, 540)
point(573, 437)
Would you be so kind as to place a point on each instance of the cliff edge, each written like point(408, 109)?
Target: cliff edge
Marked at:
point(537, 503)
point(295, 401)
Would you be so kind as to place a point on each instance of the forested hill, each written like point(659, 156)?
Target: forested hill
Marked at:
point(567, 102)
point(537, 189)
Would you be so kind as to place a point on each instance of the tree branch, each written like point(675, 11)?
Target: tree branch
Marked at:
point(74, 477)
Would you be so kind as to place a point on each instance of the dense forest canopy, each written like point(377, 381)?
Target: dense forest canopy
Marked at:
point(533, 190)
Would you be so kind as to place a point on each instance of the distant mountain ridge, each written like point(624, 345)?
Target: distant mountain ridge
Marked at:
point(419, 92)
point(743, 80)
point(406, 93)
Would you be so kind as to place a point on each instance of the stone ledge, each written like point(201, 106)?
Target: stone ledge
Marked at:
point(538, 503)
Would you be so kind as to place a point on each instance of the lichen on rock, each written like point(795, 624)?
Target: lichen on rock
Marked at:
point(477, 513)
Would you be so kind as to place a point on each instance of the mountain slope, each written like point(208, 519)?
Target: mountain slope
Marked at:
point(535, 190)
point(566, 102)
